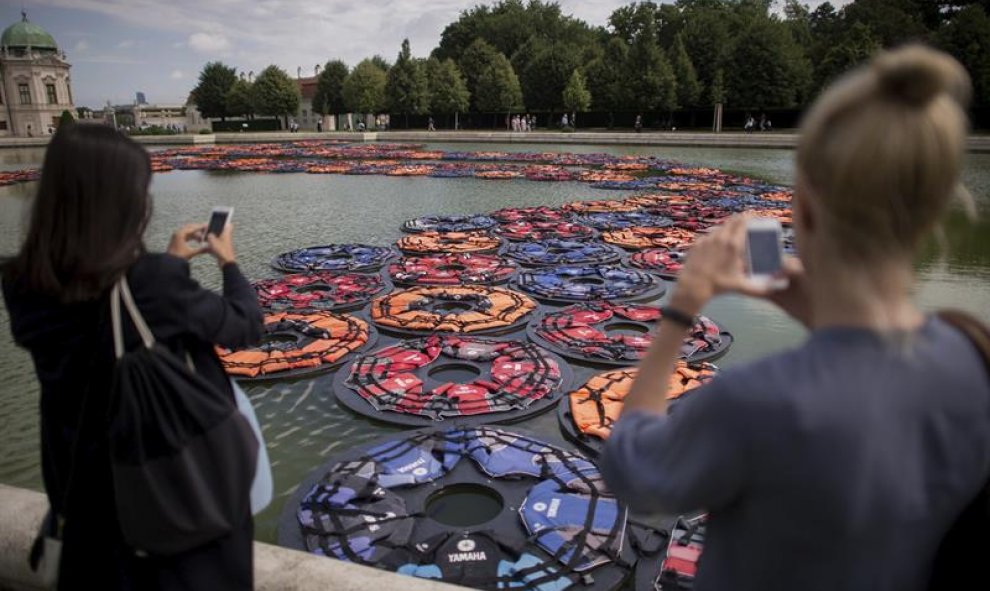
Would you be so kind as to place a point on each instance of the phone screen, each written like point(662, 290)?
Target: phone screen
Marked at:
point(764, 252)
point(218, 219)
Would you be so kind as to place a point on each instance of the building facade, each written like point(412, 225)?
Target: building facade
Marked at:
point(35, 85)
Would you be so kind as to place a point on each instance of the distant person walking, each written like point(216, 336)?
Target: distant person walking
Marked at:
point(85, 233)
point(429, 125)
point(638, 125)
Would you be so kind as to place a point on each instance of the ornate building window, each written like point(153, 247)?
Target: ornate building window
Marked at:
point(52, 95)
point(25, 91)
point(3, 126)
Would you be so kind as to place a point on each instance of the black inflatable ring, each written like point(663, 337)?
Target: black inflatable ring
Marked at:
point(479, 507)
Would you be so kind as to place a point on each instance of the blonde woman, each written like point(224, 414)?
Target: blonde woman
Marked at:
point(842, 463)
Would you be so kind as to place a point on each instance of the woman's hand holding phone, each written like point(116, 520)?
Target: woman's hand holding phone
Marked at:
point(717, 264)
point(222, 246)
point(187, 241)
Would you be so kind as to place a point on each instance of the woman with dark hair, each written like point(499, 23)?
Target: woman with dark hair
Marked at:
point(85, 232)
point(842, 463)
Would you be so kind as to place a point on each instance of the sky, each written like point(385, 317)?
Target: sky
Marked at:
point(119, 47)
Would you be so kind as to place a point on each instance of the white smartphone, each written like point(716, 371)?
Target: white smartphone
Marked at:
point(219, 218)
point(765, 253)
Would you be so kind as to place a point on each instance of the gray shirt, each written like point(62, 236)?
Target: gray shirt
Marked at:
point(838, 465)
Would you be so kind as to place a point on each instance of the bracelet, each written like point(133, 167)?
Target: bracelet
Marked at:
point(677, 317)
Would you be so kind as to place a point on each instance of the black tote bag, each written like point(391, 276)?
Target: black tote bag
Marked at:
point(183, 457)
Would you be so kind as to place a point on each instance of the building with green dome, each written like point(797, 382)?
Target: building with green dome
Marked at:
point(35, 86)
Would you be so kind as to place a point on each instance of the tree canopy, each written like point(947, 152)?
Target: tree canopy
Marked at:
point(406, 88)
point(648, 56)
point(576, 97)
point(240, 99)
point(210, 94)
point(448, 90)
point(329, 97)
point(364, 88)
point(275, 93)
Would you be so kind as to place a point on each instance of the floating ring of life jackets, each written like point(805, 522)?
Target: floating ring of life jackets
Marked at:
point(620, 334)
point(449, 223)
point(480, 507)
point(660, 261)
point(459, 309)
point(641, 237)
point(542, 213)
point(295, 345)
point(462, 379)
point(581, 283)
point(555, 252)
point(320, 291)
point(337, 258)
point(449, 242)
point(452, 269)
point(599, 206)
point(588, 413)
point(617, 220)
point(525, 231)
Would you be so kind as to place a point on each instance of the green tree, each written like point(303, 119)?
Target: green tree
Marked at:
point(717, 90)
point(967, 37)
point(239, 99)
point(476, 58)
point(855, 45)
point(448, 90)
point(651, 79)
point(891, 21)
point(406, 88)
point(544, 69)
point(767, 69)
point(498, 88)
point(688, 87)
point(576, 97)
point(210, 94)
point(329, 97)
point(607, 78)
point(381, 62)
point(708, 36)
point(66, 118)
point(275, 93)
point(364, 88)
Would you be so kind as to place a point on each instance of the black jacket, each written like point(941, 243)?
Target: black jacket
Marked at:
point(72, 349)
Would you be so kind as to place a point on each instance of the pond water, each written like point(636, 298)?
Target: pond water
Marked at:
point(277, 212)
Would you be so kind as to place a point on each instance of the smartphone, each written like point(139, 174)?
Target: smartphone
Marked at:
point(765, 252)
point(219, 218)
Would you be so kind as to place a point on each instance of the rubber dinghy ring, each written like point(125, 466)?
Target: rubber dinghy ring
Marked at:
point(599, 206)
point(640, 237)
point(589, 283)
point(320, 291)
point(676, 568)
point(449, 223)
point(296, 345)
point(624, 219)
point(480, 507)
point(463, 380)
point(452, 269)
point(562, 252)
point(449, 242)
point(338, 258)
point(529, 214)
point(462, 310)
point(530, 230)
point(662, 262)
point(588, 414)
point(616, 334)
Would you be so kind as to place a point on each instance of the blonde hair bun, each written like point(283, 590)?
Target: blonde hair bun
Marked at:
point(915, 75)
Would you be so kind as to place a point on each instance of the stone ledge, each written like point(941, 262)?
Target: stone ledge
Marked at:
point(275, 568)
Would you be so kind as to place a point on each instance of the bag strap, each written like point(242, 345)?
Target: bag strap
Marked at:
point(977, 332)
point(122, 290)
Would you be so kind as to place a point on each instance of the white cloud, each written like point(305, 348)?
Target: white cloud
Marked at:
point(81, 46)
point(125, 44)
point(177, 75)
point(209, 42)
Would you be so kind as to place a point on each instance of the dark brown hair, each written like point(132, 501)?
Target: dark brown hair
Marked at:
point(88, 217)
